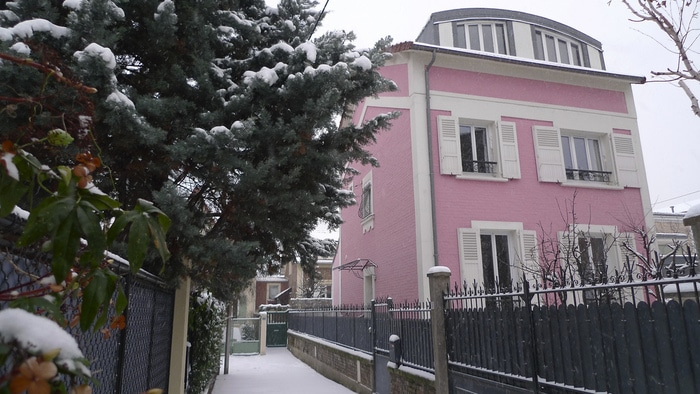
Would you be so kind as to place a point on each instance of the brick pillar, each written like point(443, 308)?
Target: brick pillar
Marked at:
point(439, 283)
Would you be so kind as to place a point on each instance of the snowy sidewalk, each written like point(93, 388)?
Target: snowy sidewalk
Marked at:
point(276, 372)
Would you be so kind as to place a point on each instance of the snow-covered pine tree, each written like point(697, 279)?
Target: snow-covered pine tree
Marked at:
point(223, 113)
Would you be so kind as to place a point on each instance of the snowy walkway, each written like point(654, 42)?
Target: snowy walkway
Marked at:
point(276, 372)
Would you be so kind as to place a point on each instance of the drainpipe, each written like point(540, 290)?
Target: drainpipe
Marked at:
point(430, 158)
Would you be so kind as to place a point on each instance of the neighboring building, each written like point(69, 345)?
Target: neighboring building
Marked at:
point(669, 230)
point(520, 115)
point(281, 289)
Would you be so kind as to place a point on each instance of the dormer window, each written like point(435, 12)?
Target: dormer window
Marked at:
point(554, 48)
point(486, 36)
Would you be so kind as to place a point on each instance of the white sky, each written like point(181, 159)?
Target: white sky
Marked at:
point(670, 133)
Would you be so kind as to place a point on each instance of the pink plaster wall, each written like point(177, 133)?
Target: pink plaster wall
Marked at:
point(511, 88)
point(525, 200)
point(391, 244)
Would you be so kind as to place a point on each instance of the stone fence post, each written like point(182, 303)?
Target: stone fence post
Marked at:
point(439, 283)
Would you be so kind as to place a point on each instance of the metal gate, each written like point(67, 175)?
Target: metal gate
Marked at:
point(277, 329)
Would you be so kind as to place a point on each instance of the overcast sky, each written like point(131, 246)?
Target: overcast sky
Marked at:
point(670, 133)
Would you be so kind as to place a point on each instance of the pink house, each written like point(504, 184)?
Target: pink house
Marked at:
point(505, 116)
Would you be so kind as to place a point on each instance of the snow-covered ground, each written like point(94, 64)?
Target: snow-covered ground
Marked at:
point(276, 372)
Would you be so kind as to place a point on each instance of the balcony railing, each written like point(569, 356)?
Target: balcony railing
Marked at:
point(588, 175)
point(483, 167)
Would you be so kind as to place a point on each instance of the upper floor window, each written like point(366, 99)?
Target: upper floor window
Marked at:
point(475, 150)
point(482, 36)
point(557, 49)
point(594, 158)
point(366, 210)
point(480, 149)
point(582, 159)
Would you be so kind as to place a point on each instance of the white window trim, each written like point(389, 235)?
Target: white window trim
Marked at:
point(503, 147)
point(617, 156)
point(616, 250)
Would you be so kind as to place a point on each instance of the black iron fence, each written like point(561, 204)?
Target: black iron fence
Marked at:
point(345, 325)
point(129, 360)
point(637, 336)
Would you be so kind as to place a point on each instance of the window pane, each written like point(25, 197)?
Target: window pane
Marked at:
point(598, 253)
point(551, 49)
point(366, 203)
point(503, 257)
point(501, 39)
point(539, 49)
point(488, 38)
point(594, 150)
point(566, 148)
point(563, 51)
point(465, 142)
point(580, 152)
point(576, 55)
point(461, 39)
point(487, 261)
point(474, 37)
point(480, 138)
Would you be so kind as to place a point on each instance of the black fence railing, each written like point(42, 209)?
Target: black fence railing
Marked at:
point(588, 175)
point(131, 360)
point(349, 326)
point(480, 166)
point(640, 336)
point(626, 335)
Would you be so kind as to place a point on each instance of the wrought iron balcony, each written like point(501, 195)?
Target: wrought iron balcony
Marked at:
point(588, 175)
point(483, 167)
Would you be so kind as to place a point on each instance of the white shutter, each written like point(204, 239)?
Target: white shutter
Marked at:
point(626, 160)
point(530, 257)
point(448, 144)
point(550, 161)
point(508, 139)
point(470, 256)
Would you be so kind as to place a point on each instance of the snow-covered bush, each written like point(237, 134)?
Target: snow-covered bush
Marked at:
point(204, 332)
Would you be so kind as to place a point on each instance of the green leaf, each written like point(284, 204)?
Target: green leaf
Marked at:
point(94, 295)
point(11, 192)
point(98, 201)
point(120, 224)
point(65, 245)
point(138, 242)
point(45, 218)
point(122, 301)
point(89, 224)
point(158, 236)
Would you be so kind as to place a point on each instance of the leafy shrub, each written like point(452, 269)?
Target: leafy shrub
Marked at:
point(205, 334)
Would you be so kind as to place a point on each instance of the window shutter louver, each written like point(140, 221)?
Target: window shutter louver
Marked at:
point(550, 163)
point(626, 160)
point(448, 145)
point(470, 255)
point(510, 161)
point(530, 256)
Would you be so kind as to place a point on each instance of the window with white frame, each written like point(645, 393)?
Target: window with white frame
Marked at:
point(477, 147)
point(555, 48)
point(486, 36)
point(585, 158)
point(366, 209)
point(497, 256)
